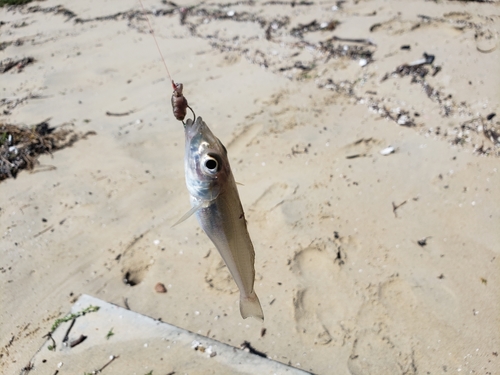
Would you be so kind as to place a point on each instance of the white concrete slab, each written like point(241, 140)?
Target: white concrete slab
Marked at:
point(142, 346)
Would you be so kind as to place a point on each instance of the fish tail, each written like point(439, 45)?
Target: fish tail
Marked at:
point(250, 306)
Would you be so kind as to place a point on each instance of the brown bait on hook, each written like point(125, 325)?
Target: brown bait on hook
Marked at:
point(179, 102)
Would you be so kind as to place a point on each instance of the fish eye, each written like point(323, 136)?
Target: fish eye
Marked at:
point(210, 164)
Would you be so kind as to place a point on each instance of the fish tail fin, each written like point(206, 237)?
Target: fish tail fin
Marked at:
point(250, 306)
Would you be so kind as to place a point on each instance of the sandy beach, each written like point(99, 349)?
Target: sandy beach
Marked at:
point(366, 138)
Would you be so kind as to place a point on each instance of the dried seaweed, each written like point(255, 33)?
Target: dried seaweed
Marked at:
point(8, 64)
point(313, 26)
point(58, 9)
point(353, 52)
point(11, 103)
point(407, 70)
point(304, 51)
point(276, 24)
point(291, 3)
point(419, 71)
point(4, 45)
point(14, 2)
point(343, 87)
point(415, 69)
point(301, 29)
point(21, 146)
point(129, 15)
point(475, 1)
point(399, 116)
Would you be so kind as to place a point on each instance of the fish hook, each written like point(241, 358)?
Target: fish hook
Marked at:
point(194, 116)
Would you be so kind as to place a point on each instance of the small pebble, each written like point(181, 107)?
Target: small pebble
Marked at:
point(160, 288)
point(387, 150)
point(422, 242)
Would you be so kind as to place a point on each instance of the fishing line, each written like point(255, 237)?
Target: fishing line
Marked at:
point(179, 102)
point(151, 31)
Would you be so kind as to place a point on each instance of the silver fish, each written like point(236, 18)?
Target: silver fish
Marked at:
point(216, 203)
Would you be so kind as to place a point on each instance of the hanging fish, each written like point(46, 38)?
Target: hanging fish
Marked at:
point(214, 197)
point(216, 203)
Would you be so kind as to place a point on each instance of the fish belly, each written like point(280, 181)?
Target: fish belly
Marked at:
point(224, 223)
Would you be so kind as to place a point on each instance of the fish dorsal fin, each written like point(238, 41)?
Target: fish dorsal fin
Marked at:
point(188, 214)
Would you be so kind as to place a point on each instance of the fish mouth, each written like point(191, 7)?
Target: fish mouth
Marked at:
point(193, 128)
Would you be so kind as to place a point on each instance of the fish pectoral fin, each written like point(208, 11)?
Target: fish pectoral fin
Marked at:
point(239, 183)
point(188, 214)
point(250, 306)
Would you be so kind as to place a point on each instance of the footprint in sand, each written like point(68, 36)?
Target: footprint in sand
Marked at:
point(307, 321)
point(393, 320)
point(374, 350)
point(135, 261)
point(321, 301)
point(375, 354)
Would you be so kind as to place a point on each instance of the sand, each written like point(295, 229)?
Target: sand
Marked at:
point(365, 263)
